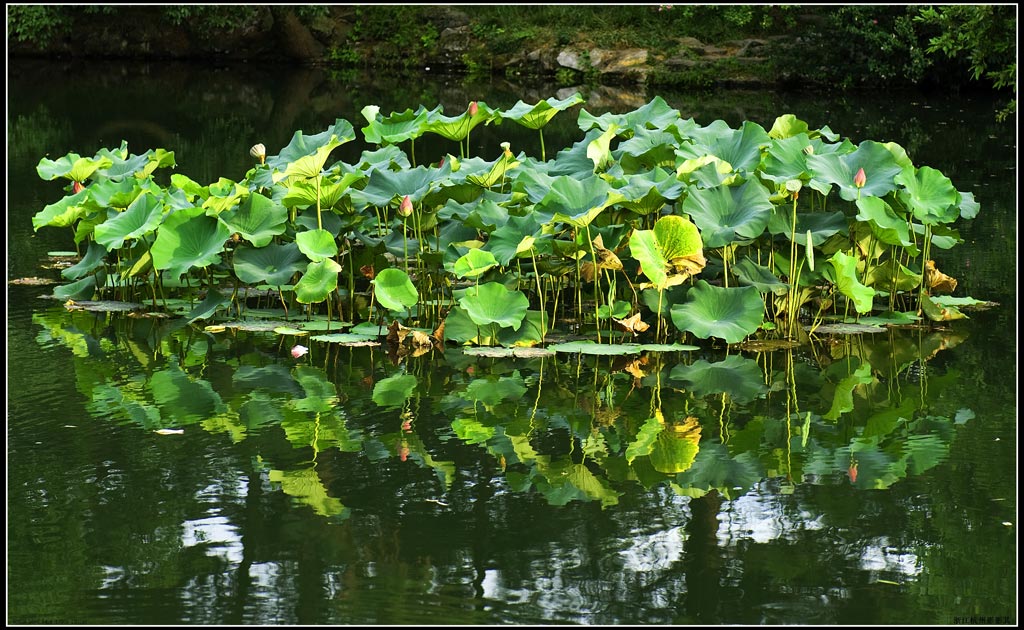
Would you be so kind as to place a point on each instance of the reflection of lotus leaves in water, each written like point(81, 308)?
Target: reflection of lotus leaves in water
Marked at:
point(676, 447)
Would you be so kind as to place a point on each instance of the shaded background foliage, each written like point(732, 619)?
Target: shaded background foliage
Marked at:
point(947, 47)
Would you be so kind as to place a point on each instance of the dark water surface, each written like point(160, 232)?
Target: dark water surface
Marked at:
point(343, 488)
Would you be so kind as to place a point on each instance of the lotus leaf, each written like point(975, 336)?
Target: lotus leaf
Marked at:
point(394, 290)
point(492, 303)
point(318, 281)
point(726, 213)
point(727, 313)
point(186, 239)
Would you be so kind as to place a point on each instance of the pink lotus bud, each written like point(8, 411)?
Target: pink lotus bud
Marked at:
point(406, 208)
point(473, 108)
point(76, 187)
point(298, 351)
point(860, 179)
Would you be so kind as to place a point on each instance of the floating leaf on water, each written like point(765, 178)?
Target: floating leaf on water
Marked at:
point(255, 326)
point(768, 345)
point(518, 353)
point(612, 349)
point(347, 339)
point(215, 328)
point(105, 306)
point(63, 254)
point(967, 303)
point(369, 329)
point(286, 330)
point(843, 329)
point(32, 281)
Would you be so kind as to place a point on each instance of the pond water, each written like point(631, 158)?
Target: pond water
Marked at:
point(867, 479)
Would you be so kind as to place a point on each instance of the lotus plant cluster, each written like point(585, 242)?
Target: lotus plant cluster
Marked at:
point(649, 227)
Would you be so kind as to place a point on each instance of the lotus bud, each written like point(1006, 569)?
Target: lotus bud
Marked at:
point(508, 148)
point(298, 351)
point(860, 179)
point(259, 152)
point(473, 108)
point(77, 187)
point(809, 149)
point(406, 208)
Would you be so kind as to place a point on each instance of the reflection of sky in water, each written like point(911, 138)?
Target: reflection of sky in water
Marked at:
point(763, 518)
point(880, 556)
point(654, 552)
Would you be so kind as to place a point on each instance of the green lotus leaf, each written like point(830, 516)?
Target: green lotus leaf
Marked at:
point(485, 214)
point(539, 115)
point(576, 201)
point(886, 225)
point(534, 184)
point(848, 283)
point(968, 206)
point(532, 331)
point(272, 264)
point(93, 258)
point(656, 114)
point(739, 377)
point(519, 236)
point(64, 213)
point(646, 150)
point(142, 217)
point(750, 273)
point(257, 219)
point(677, 237)
point(727, 213)
point(891, 276)
point(304, 192)
point(934, 310)
point(879, 164)
point(739, 147)
point(312, 147)
point(930, 195)
point(191, 188)
point(706, 171)
point(388, 158)
point(786, 159)
point(644, 248)
point(456, 128)
point(575, 161)
point(80, 290)
point(787, 126)
point(72, 166)
point(489, 173)
point(384, 186)
point(461, 329)
point(492, 303)
point(137, 166)
point(394, 290)
point(394, 390)
point(186, 239)
point(822, 225)
point(212, 303)
point(224, 195)
point(396, 128)
point(727, 313)
point(599, 150)
point(317, 244)
point(648, 192)
point(318, 281)
point(943, 236)
point(474, 263)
